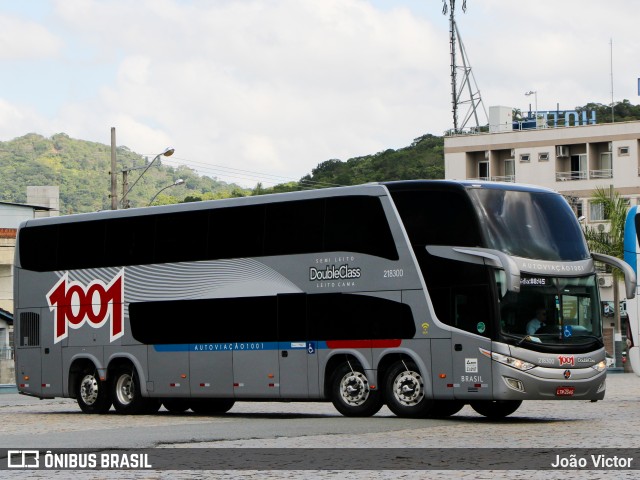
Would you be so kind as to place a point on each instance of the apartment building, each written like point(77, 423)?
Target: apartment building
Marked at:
point(572, 160)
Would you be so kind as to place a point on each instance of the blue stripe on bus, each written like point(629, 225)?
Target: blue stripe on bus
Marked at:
point(237, 346)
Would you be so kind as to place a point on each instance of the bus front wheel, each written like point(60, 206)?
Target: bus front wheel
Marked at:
point(350, 393)
point(126, 394)
point(92, 394)
point(496, 408)
point(405, 391)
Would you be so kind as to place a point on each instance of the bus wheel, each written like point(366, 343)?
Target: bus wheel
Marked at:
point(350, 392)
point(127, 398)
point(404, 391)
point(445, 408)
point(92, 394)
point(496, 408)
point(176, 405)
point(211, 406)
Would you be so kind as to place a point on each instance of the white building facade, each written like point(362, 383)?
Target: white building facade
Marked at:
point(571, 160)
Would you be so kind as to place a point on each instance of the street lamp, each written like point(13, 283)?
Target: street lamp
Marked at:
point(167, 153)
point(535, 94)
point(177, 182)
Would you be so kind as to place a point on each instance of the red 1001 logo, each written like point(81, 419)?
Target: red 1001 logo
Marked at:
point(74, 305)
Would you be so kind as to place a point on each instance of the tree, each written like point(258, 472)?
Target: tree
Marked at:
point(611, 241)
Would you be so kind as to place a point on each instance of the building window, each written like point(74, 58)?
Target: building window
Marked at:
point(579, 209)
point(525, 157)
point(483, 170)
point(543, 157)
point(596, 212)
point(623, 151)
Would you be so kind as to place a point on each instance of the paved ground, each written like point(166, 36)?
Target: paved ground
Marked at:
point(612, 423)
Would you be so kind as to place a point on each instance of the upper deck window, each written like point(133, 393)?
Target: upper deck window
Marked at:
point(536, 225)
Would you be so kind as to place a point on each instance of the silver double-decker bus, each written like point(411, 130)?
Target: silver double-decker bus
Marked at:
point(420, 295)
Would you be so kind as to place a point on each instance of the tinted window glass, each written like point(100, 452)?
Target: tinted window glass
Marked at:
point(292, 317)
point(39, 248)
point(130, 241)
point(358, 224)
point(358, 317)
point(438, 218)
point(81, 245)
point(268, 319)
point(236, 232)
point(250, 319)
point(294, 227)
point(181, 237)
point(530, 224)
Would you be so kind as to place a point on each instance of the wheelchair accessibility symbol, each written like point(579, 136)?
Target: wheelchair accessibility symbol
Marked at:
point(311, 348)
point(568, 331)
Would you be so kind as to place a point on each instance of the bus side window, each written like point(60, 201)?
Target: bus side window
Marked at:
point(472, 310)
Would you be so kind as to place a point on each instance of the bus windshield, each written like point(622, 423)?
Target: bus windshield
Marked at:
point(535, 225)
point(552, 310)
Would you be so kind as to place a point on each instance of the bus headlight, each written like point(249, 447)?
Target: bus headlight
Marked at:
point(510, 361)
point(600, 367)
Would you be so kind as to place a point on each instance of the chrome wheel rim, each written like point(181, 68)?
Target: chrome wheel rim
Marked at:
point(408, 388)
point(354, 389)
point(89, 389)
point(125, 390)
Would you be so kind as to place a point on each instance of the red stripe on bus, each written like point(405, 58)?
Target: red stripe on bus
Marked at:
point(363, 343)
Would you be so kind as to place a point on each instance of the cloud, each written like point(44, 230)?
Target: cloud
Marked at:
point(278, 86)
point(26, 40)
point(274, 87)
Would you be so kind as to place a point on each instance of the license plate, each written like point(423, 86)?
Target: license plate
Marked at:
point(565, 391)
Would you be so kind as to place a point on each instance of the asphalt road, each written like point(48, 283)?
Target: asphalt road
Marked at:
point(613, 423)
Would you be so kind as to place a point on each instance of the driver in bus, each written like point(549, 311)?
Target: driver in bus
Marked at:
point(538, 322)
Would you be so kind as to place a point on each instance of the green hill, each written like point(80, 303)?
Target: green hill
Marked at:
point(81, 170)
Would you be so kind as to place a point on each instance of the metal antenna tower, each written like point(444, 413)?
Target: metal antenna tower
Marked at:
point(473, 101)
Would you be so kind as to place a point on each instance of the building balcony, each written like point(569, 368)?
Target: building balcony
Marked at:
point(606, 173)
point(504, 178)
point(574, 175)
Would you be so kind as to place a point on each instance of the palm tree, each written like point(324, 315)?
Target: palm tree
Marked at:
point(610, 242)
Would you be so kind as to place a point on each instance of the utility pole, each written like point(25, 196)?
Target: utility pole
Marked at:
point(114, 177)
point(125, 188)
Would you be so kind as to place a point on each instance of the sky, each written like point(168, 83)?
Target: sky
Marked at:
point(263, 91)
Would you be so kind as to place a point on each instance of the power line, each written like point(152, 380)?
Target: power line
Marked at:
point(222, 170)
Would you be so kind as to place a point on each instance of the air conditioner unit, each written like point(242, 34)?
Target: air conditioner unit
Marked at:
point(513, 153)
point(486, 155)
point(562, 151)
point(605, 281)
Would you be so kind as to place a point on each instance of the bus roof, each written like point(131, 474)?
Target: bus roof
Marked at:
point(374, 188)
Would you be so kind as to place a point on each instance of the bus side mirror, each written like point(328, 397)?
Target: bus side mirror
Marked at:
point(629, 274)
point(482, 256)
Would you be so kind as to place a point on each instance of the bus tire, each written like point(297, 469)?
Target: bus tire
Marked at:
point(445, 408)
point(496, 409)
point(126, 395)
point(92, 394)
point(211, 406)
point(405, 391)
point(350, 393)
point(176, 405)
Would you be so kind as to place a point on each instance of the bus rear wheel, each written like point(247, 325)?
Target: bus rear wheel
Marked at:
point(350, 393)
point(211, 406)
point(496, 408)
point(92, 394)
point(126, 394)
point(405, 392)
